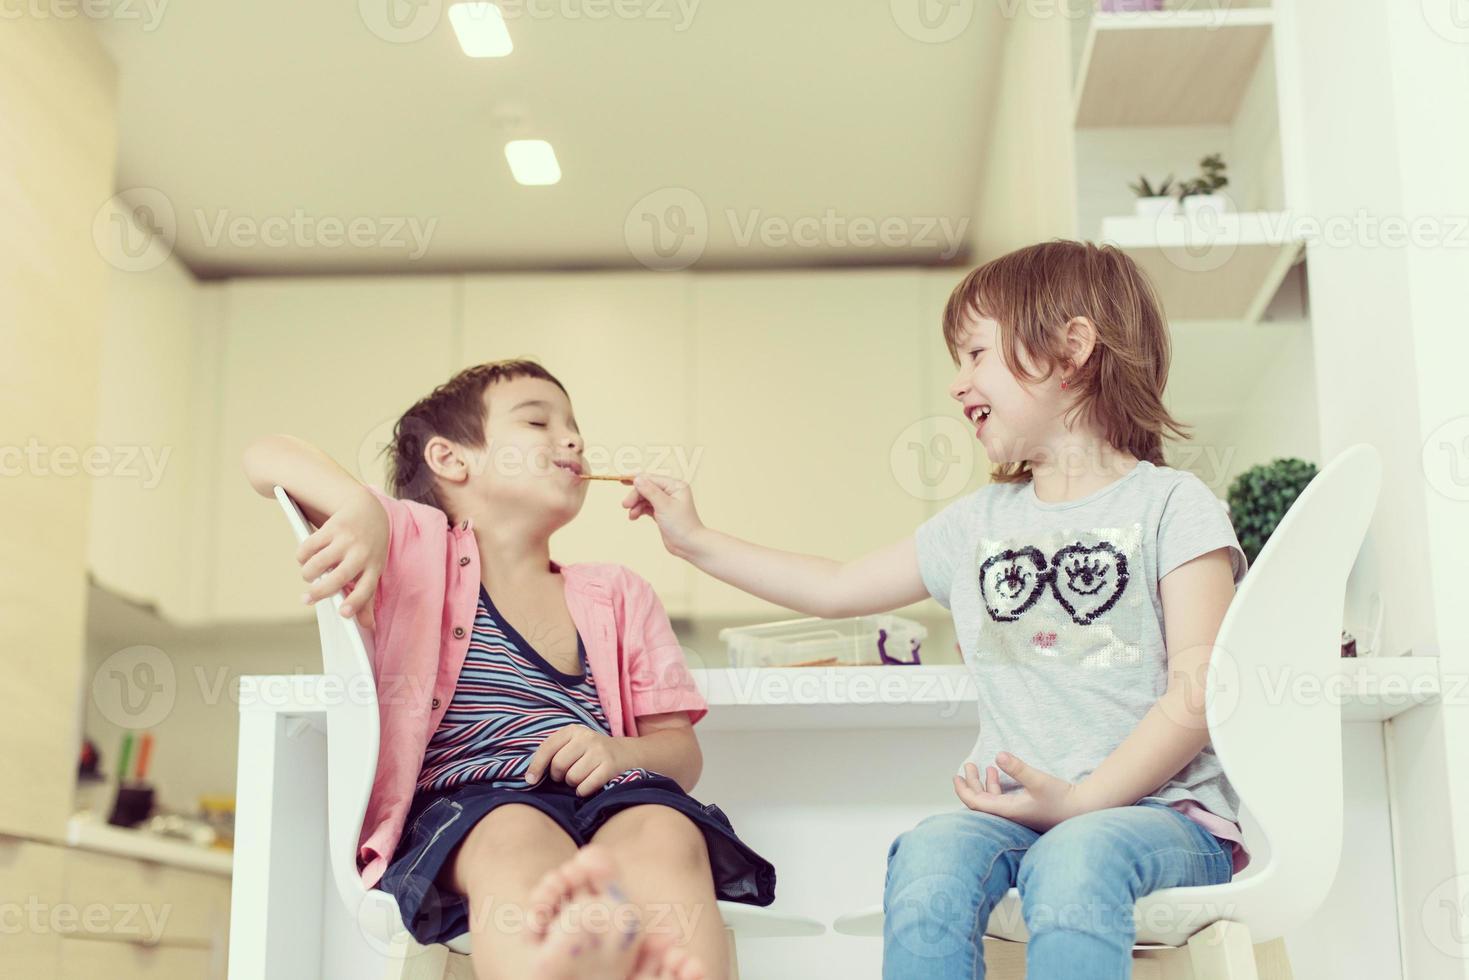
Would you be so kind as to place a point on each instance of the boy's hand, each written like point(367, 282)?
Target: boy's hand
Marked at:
point(351, 547)
point(577, 756)
point(671, 503)
point(1041, 802)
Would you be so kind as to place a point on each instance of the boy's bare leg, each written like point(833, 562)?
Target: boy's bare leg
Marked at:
point(663, 864)
point(498, 866)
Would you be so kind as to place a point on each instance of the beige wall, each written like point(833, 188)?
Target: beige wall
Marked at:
point(57, 145)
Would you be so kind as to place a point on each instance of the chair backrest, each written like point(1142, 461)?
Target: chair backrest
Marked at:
point(1274, 717)
point(352, 728)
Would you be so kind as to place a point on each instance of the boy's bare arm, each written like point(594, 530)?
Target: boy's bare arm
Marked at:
point(351, 540)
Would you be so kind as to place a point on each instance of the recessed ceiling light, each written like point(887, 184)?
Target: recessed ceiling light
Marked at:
point(481, 30)
point(532, 162)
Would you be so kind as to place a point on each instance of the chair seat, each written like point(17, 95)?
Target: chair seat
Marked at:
point(1167, 917)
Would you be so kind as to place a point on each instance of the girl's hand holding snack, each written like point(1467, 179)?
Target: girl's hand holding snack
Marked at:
point(671, 503)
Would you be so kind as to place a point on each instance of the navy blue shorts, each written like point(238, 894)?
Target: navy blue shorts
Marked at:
point(438, 821)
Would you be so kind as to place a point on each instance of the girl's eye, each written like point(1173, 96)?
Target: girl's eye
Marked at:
point(539, 425)
point(976, 352)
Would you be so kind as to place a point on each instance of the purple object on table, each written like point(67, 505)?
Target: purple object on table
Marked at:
point(882, 650)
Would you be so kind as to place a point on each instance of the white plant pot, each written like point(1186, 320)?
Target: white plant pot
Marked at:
point(1198, 204)
point(1154, 207)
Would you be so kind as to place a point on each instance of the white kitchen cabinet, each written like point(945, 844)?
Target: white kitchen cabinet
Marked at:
point(333, 361)
point(803, 384)
point(619, 342)
point(154, 351)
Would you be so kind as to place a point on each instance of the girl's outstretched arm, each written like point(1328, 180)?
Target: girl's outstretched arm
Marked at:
point(884, 580)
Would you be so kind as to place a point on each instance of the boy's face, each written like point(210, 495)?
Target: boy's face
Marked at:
point(1021, 416)
point(533, 450)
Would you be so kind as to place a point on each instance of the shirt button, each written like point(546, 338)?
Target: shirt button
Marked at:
point(464, 560)
point(436, 702)
point(458, 632)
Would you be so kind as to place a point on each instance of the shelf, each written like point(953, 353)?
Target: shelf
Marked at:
point(89, 833)
point(1216, 267)
point(839, 698)
point(1168, 68)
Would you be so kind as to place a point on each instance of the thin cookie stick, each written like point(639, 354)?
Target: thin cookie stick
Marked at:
point(618, 479)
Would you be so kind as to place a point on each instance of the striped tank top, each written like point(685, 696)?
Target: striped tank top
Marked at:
point(507, 701)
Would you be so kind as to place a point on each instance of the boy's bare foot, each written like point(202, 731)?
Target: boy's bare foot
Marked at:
point(587, 928)
point(658, 959)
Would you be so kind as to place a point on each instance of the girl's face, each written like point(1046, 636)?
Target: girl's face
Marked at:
point(533, 449)
point(1021, 416)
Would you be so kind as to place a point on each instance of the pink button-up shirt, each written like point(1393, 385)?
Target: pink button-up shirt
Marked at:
point(424, 611)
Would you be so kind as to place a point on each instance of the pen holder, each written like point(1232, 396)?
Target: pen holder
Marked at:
point(133, 805)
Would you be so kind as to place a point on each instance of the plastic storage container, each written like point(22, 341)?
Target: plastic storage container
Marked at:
point(816, 642)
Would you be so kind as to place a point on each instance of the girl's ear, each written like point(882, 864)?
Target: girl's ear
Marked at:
point(1081, 337)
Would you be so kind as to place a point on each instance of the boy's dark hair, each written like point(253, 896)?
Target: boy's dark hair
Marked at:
point(1034, 292)
point(454, 410)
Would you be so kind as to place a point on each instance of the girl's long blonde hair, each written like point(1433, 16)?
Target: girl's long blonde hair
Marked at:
point(1033, 293)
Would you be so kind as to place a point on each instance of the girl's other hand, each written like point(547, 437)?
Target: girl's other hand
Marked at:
point(1041, 802)
point(349, 549)
point(671, 504)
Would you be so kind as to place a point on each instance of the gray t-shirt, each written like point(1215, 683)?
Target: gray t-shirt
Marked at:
point(1058, 615)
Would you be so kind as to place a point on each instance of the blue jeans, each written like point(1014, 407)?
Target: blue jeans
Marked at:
point(1078, 883)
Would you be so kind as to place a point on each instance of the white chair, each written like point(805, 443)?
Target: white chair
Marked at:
point(1285, 622)
point(351, 726)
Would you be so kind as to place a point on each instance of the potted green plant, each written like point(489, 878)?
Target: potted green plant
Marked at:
point(1259, 497)
point(1201, 193)
point(1153, 201)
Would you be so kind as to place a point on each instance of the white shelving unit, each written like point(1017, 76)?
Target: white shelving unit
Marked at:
point(942, 696)
point(1153, 92)
point(1168, 68)
point(1225, 267)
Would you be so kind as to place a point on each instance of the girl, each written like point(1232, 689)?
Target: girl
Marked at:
point(528, 708)
point(1065, 576)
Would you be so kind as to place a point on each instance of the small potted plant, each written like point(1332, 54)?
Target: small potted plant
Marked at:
point(1153, 201)
point(1259, 497)
point(1201, 193)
